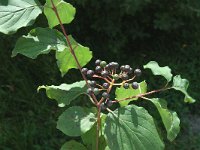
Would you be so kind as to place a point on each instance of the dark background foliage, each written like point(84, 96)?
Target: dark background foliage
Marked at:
point(130, 32)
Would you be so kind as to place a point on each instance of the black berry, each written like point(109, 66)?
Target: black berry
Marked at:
point(115, 65)
point(126, 85)
point(124, 77)
point(84, 71)
point(89, 91)
point(105, 95)
point(96, 91)
point(137, 72)
point(92, 83)
point(126, 68)
point(103, 64)
point(103, 106)
point(90, 73)
point(98, 69)
point(108, 67)
point(109, 103)
point(97, 62)
point(122, 68)
point(104, 73)
point(106, 85)
point(135, 85)
point(130, 70)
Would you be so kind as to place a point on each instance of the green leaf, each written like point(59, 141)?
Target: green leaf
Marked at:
point(66, 61)
point(90, 141)
point(132, 128)
point(65, 93)
point(76, 121)
point(15, 14)
point(65, 10)
point(157, 70)
point(182, 85)
point(122, 93)
point(39, 41)
point(169, 118)
point(73, 145)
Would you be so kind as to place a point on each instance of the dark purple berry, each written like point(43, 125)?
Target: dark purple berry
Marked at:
point(84, 71)
point(90, 73)
point(89, 91)
point(106, 85)
point(103, 106)
point(96, 91)
point(92, 83)
point(124, 77)
point(103, 64)
point(126, 85)
point(115, 65)
point(98, 69)
point(137, 72)
point(104, 73)
point(126, 68)
point(122, 68)
point(135, 85)
point(109, 103)
point(105, 95)
point(108, 67)
point(130, 70)
point(97, 62)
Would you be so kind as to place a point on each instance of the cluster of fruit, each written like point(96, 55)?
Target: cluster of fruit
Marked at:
point(109, 73)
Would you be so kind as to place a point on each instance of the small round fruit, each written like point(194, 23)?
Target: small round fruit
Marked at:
point(126, 85)
point(124, 77)
point(137, 72)
point(96, 91)
point(103, 106)
point(104, 73)
point(106, 85)
point(130, 70)
point(89, 91)
point(122, 68)
point(84, 71)
point(98, 69)
point(108, 67)
point(126, 68)
point(103, 64)
point(90, 73)
point(135, 85)
point(115, 65)
point(109, 103)
point(92, 83)
point(105, 95)
point(97, 62)
point(115, 76)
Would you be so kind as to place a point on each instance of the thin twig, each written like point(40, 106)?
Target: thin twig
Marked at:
point(71, 49)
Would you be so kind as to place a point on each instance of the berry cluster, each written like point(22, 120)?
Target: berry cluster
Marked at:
point(112, 75)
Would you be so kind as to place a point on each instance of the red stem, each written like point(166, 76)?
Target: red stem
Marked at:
point(71, 49)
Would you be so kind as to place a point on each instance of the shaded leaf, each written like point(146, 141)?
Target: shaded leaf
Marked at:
point(65, 93)
point(65, 10)
point(76, 121)
point(39, 41)
point(182, 85)
point(122, 93)
point(132, 128)
point(15, 14)
point(169, 118)
point(157, 70)
point(73, 145)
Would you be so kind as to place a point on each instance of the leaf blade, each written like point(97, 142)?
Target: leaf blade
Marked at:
point(18, 14)
point(131, 127)
point(73, 145)
point(169, 118)
point(76, 121)
point(157, 70)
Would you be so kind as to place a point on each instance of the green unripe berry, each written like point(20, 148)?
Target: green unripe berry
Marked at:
point(96, 91)
point(103, 64)
point(115, 76)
